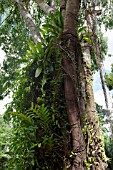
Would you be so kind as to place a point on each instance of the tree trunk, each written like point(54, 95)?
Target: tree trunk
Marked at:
point(87, 147)
point(94, 144)
point(87, 150)
point(69, 45)
point(91, 22)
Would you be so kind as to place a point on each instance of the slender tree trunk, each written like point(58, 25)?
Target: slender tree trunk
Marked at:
point(91, 21)
point(103, 87)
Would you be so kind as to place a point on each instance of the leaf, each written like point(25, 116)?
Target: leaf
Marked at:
point(82, 29)
point(49, 53)
point(39, 47)
point(29, 52)
point(87, 39)
point(39, 145)
point(60, 19)
point(53, 117)
point(32, 106)
point(38, 71)
point(31, 45)
point(109, 55)
point(44, 80)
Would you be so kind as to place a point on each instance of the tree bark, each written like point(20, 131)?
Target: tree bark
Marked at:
point(63, 7)
point(70, 41)
point(45, 7)
point(53, 4)
point(91, 21)
point(29, 21)
point(80, 104)
point(94, 142)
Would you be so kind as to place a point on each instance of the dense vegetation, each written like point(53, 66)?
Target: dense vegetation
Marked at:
point(51, 122)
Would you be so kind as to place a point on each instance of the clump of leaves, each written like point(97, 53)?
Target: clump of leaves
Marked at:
point(35, 139)
point(5, 142)
point(109, 80)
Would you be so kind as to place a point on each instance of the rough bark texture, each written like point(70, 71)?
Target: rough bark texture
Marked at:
point(70, 41)
point(79, 96)
point(94, 140)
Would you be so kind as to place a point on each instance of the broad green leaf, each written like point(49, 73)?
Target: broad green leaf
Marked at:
point(38, 71)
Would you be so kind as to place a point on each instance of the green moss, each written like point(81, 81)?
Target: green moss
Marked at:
point(88, 165)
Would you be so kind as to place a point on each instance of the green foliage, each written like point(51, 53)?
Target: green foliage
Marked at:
point(109, 80)
point(84, 35)
point(103, 49)
point(37, 111)
point(53, 26)
point(108, 142)
point(103, 117)
point(14, 41)
point(5, 142)
point(107, 18)
point(109, 150)
point(33, 145)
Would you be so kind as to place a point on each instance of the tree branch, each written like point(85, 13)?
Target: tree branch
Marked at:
point(53, 4)
point(45, 7)
point(62, 7)
point(29, 21)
